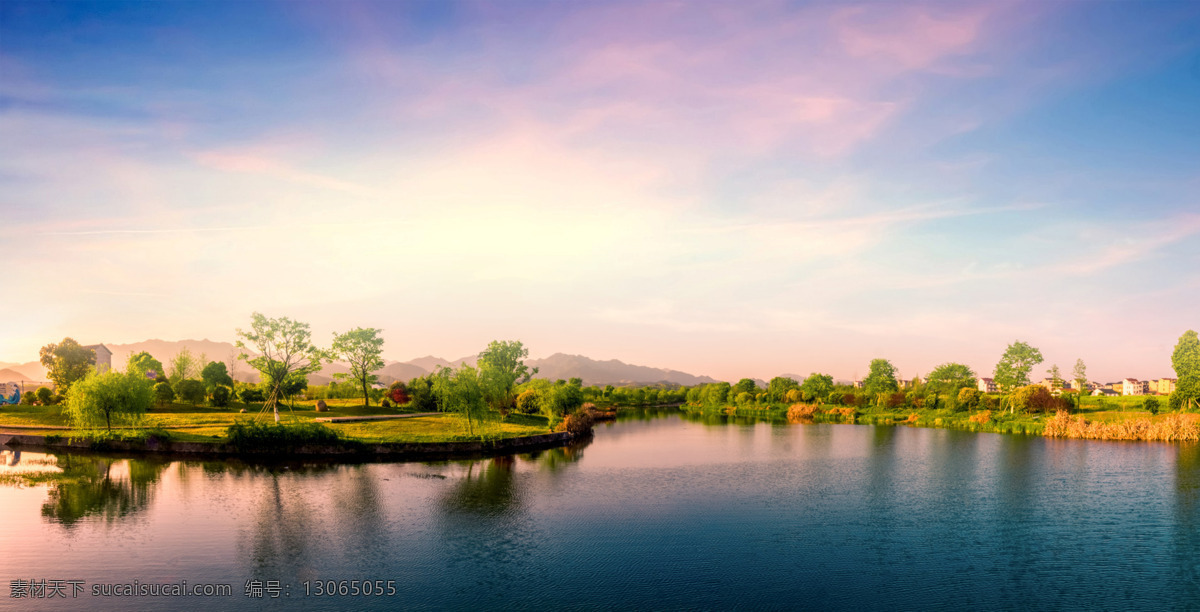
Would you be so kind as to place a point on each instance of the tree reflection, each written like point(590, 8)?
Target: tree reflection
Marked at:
point(555, 459)
point(1187, 538)
point(97, 486)
point(487, 489)
point(281, 538)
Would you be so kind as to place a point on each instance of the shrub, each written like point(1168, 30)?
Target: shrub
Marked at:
point(1035, 398)
point(578, 423)
point(398, 393)
point(190, 391)
point(163, 393)
point(252, 436)
point(895, 399)
point(982, 418)
point(1150, 404)
point(386, 403)
point(527, 401)
point(1176, 402)
point(27, 399)
point(220, 396)
point(44, 396)
point(250, 394)
point(968, 399)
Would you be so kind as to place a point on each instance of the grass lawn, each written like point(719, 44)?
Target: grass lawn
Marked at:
point(205, 424)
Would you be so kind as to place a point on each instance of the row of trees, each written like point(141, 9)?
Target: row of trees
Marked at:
point(501, 382)
point(952, 385)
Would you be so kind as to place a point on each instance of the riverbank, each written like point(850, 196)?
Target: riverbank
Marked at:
point(1096, 424)
point(340, 431)
point(430, 451)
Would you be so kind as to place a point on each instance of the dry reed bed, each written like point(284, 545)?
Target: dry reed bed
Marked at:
point(801, 413)
point(1171, 428)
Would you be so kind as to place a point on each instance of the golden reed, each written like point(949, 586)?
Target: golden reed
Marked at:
point(1170, 428)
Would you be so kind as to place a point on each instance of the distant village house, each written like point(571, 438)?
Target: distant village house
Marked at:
point(103, 357)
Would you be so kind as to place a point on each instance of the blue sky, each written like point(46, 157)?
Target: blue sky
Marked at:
point(728, 189)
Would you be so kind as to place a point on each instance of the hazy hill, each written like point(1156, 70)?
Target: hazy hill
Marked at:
point(429, 363)
point(11, 375)
point(34, 370)
point(559, 365)
point(595, 372)
point(403, 372)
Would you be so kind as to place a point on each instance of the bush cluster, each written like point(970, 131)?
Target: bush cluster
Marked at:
point(252, 436)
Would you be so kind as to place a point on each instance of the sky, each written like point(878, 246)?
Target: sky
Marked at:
point(728, 189)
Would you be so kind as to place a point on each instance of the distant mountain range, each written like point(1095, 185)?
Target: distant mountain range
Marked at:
point(611, 372)
point(556, 366)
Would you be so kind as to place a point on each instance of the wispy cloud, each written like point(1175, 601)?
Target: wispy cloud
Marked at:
point(271, 167)
point(175, 230)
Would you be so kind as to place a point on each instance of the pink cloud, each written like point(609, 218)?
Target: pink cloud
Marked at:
point(912, 38)
point(752, 79)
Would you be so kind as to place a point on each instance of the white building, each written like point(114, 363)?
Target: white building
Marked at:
point(1131, 386)
point(988, 385)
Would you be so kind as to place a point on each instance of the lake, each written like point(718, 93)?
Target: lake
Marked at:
point(659, 511)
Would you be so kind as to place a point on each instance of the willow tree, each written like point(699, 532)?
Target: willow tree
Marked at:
point(462, 391)
point(284, 348)
point(100, 399)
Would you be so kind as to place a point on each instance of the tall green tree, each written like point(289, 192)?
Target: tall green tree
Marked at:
point(283, 347)
point(881, 378)
point(1186, 361)
point(67, 362)
point(745, 385)
point(423, 398)
point(562, 399)
point(215, 374)
point(144, 363)
point(1014, 366)
point(100, 399)
point(715, 394)
point(778, 387)
point(1056, 380)
point(363, 350)
point(816, 386)
point(1080, 376)
point(950, 377)
point(501, 369)
point(183, 365)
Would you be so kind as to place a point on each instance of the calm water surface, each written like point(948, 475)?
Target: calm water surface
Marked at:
point(657, 512)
